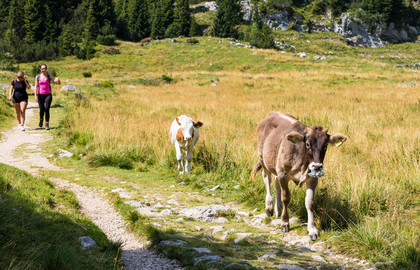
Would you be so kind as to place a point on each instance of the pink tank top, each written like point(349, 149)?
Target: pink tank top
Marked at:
point(44, 86)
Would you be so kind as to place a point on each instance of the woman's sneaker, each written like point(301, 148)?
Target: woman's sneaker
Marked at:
point(47, 126)
point(40, 123)
point(20, 127)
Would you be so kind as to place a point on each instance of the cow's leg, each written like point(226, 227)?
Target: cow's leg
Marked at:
point(309, 203)
point(179, 158)
point(285, 198)
point(188, 163)
point(268, 197)
point(277, 210)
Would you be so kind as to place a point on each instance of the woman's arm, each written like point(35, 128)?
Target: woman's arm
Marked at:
point(56, 80)
point(11, 92)
point(36, 88)
point(28, 86)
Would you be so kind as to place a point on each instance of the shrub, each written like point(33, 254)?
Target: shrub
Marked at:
point(8, 65)
point(192, 41)
point(167, 78)
point(106, 84)
point(111, 51)
point(87, 74)
point(106, 39)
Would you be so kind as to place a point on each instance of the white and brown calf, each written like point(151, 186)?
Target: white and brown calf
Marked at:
point(292, 151)
point(184, 135)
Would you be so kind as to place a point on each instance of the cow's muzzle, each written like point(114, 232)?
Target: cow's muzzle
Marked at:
point(316, 170)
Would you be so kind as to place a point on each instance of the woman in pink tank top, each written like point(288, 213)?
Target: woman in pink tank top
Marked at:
point(43, 95)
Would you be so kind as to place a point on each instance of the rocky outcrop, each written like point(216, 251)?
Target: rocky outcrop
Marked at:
point(356, 33)
point(352, 28)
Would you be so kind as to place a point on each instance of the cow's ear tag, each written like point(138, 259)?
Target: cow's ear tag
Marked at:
point(338, 143)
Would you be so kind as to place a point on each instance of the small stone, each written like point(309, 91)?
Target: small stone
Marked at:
point(304, 249)
point(237, 266)
point(202, 250)
point(217, 229)
point(269, 255)
point(214, 258)
point(87, 242)
point(172, 243)
point(318, 258)
point(289, 267)
point(242, 236)
point(211, 237)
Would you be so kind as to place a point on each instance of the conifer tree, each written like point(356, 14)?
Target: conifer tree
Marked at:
point(158, 29)
point(47, 27)
point(15, 21)
point(121, 10)
point(167, 11)
point(91, 25)
point(138, 22)
point(32, 20)
point(228, 15)
point(193, 28)
point(182, 17)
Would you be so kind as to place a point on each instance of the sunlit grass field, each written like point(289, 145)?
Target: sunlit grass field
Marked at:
point(370, 193)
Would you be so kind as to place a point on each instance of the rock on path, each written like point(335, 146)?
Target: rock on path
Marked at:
point(134, 255)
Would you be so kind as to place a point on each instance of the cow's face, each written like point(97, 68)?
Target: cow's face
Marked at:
point(187, 127)
point(316, 140)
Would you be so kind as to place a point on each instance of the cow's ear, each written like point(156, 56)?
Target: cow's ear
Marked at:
point(198, 124)
point(177, 120)
point(337, 139)
point(295, 137)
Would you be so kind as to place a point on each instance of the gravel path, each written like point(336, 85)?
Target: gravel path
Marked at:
point(21, 149)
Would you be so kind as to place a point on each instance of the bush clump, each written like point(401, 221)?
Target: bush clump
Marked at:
point(106, 84)
point(111, 51)
point(192, 41)
point(87, 74)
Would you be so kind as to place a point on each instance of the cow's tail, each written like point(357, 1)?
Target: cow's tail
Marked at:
point(256, 169)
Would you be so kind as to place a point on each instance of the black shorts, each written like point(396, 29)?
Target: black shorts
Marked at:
point(20, 99)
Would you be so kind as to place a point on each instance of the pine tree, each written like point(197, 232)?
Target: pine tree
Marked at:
point(91, 25)
point(167, 11)
point(32, 21)
point(121, 10)
point(182, 17)
point(47, 27)
point(158, 29)
point(138, 21)
point(193, 28)
point(228, 15)
point(15, 22)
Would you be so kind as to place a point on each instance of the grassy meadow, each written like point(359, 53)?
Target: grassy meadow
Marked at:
point(370, 194)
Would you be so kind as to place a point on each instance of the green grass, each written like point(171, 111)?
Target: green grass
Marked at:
point(40, 227)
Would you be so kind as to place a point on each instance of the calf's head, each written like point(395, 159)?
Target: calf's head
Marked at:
point(187, 124)
point(316, 140)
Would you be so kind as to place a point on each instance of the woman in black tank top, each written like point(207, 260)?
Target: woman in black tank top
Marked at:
point(19, 97)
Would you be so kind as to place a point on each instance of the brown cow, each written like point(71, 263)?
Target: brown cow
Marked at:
point(291, 151)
